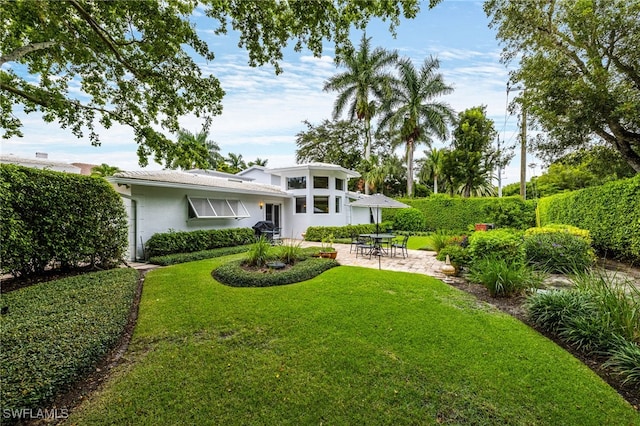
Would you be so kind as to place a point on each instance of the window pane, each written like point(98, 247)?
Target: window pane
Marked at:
point(301, 204)
point(297, 182)
point(321, 182)
point(320, 204)
point(338, 204)
point(212, 208)
point(339, 184)
point(202, 207)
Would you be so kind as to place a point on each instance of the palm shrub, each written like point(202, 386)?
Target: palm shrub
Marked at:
point(503, 278)
point(558, 252)
point(498, 244)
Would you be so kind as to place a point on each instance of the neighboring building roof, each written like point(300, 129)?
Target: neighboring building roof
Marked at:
point(39, 163)
point(180, 179)
point(85, 168)
point(250, 169)
point(314, 166)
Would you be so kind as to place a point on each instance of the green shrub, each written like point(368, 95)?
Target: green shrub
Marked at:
point(173, 242)
point(409, 220)
point(558, 252)
point(54, 218)
point(512, 213)
point(557, 227)
point(234, 275)
point(317, 233)
point(503, 278)
point(625, 360)
point(173, 259)
point(439, 240)
point(458, 256)
point(57, 331)
point(499, 243)
point(610, 212)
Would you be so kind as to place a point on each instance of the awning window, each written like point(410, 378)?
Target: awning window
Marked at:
point(208, 208)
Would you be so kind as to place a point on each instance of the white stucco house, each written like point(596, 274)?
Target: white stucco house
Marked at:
point(293, 198)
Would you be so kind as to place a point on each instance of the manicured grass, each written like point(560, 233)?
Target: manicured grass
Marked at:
point(351, 346)
point(420, 242)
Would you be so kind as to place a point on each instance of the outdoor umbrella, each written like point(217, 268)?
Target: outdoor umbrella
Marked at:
point(378, 201)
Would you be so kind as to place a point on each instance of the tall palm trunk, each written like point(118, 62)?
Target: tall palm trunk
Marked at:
point(367, 148)
point(410, 147)
point(435, 183)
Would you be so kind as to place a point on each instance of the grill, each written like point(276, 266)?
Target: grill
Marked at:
point(264, 227)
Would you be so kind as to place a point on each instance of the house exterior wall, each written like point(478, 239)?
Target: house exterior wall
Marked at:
point(162, 209)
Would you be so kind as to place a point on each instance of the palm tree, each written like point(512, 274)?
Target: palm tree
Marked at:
point(104, 170)
point(258, 162)
point(432, 166)
point(411, 109)
point(236, 163)
point(365, 81)
point(194, 151)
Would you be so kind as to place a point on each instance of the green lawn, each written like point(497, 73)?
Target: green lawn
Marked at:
point(352, 346)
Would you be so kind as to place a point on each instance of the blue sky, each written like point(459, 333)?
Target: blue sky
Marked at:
point(263, 112)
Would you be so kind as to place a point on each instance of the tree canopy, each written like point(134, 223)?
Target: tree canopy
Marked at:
point(469, 164)
point(579, 64)
point(88, 63)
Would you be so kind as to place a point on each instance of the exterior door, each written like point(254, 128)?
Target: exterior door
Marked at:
point(272, 213)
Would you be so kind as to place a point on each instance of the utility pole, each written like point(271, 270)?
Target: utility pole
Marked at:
point(499, 170)
point(523, 155)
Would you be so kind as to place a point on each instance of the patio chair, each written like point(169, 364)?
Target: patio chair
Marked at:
point(402, 245)
point(364, 246)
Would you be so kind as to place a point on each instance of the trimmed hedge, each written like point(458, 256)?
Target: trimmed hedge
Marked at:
point(232, 274)
point(443, 212)
point(58, 219)
point(317, 233)
point(173, 242)
point(55, 332)
point(173, 259)
point(610, 212)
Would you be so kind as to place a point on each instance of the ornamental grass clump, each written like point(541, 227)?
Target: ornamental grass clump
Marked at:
point(600, 315)
point(258, 255)
point(503, 278)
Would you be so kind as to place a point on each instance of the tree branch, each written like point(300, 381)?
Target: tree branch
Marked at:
point(25, 50)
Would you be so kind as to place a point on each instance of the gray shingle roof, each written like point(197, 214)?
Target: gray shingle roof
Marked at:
point(175, 178)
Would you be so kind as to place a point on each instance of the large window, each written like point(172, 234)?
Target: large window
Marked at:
point(320, 204)
point(338, 204)
point(321, 182)
point(207, 208)
point(301, 204)
point(339, 184)
point(297, 182)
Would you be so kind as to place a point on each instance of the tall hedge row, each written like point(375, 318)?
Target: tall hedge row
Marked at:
point(443, 212)
point(53, 218)
point(610, 212)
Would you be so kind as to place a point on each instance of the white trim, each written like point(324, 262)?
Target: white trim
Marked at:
point(214, 208)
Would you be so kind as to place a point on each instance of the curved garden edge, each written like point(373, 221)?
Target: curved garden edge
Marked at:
point(513, 306)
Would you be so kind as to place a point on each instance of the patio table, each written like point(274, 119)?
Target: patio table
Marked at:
point(378, 243)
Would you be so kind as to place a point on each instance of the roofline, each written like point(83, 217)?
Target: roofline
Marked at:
point(163, 184)
point(314, 166)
